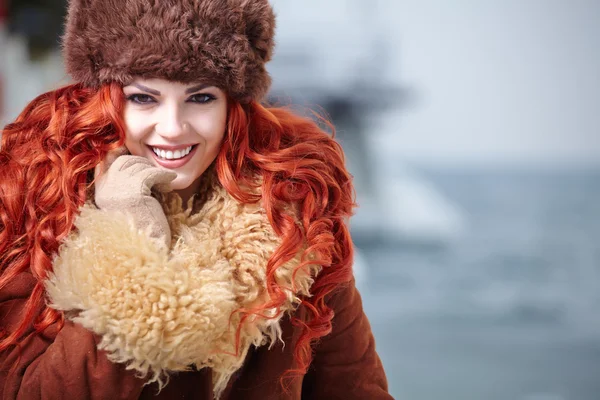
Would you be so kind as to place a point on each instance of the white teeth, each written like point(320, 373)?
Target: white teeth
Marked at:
point(172, 155)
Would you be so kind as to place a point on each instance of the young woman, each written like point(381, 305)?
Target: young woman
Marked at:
point(163, 234)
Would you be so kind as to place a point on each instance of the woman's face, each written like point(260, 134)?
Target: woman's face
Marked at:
point(176, 126)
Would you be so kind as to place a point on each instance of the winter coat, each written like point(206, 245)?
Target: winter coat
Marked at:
point(139, 313)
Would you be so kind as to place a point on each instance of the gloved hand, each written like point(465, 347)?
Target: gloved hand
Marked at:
point(124, 183)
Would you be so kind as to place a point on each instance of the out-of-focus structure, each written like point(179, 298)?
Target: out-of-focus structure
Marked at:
point(31, 63)
point(334, 55)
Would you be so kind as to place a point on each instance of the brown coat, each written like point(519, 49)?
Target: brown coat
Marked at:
point(67, 364)
point(217, 260)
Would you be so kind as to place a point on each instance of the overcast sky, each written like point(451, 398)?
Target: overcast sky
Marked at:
point(504, 81)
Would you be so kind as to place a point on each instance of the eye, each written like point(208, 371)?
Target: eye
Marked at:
point(202, 98)
point(140, 99)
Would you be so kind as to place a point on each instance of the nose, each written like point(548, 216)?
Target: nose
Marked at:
point(169, 122)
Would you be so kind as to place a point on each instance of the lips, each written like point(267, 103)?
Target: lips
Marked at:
point(172, 154)
point(166, 156)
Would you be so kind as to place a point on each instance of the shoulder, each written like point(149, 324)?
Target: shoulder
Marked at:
point(346, 303)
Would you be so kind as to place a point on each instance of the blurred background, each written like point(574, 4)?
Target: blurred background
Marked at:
point(473, 131)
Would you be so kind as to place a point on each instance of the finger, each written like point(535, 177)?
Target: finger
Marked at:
point(133, 165)
point(144, 170)
point(151, 177)
point(161, 177)
point(127, 162)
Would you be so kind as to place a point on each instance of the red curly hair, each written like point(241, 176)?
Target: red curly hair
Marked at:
point(47, 159)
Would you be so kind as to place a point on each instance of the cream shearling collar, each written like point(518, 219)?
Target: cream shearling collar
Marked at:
point(160, 311)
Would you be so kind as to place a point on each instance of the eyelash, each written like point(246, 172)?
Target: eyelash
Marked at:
point(138, 98)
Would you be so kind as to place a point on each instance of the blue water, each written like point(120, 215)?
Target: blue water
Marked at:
point(510, 309)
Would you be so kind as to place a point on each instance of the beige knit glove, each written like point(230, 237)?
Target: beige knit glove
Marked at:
point(124, 183)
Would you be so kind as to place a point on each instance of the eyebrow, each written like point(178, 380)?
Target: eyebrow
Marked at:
point(157, 93)
point(146, 89)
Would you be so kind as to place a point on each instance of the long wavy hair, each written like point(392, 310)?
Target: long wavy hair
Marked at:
point(47, 159)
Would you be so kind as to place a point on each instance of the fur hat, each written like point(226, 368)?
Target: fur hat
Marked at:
point(221, 42)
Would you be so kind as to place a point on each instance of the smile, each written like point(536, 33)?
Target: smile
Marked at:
point(173, 157)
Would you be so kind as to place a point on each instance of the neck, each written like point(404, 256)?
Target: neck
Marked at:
point(187, 193)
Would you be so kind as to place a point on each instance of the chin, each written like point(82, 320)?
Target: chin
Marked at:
point(180, 184)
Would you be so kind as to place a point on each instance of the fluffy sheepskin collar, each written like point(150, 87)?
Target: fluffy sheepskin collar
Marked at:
point(161, 311)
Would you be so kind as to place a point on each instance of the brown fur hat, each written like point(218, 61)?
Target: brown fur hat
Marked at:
point(221, 42)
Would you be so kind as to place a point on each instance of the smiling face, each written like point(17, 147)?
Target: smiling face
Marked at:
point(176, 126)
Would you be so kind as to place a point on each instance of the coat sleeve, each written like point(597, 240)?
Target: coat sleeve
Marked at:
point(57, 364)
point(345, 364)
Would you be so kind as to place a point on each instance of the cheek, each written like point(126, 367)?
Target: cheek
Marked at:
point(218, 131)
point(135, 128)
point(132, 143)
point(212, 130)
point(216, 136)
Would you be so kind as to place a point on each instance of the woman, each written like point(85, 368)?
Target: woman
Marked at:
point(163, 235)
